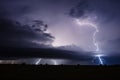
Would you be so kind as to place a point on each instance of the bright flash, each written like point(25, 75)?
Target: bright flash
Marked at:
point(90, 23)
point(99, 56)
point(55, 62)
point(39, 62)
point(87, 22)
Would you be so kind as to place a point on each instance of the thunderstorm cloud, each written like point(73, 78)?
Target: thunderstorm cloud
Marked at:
point(14, 34)
point(51, 23)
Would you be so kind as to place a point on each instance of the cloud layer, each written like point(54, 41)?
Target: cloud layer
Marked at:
point(12, 33)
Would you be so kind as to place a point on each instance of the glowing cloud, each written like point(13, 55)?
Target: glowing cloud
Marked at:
point(91, 24)
point(88, 21)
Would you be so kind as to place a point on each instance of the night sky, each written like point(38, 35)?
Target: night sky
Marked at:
point(82, 26)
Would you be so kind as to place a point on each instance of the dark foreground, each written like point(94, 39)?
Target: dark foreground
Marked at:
point(40, 72)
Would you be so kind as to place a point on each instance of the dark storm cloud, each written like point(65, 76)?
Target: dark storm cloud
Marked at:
point(112, 45)
point(110, 26)
point(107, 12)
point(19, 8)
point(102, 8)
point(15, 34)
point(13, 8)
point(50, 53)
point(12, 33)
point(80, 10)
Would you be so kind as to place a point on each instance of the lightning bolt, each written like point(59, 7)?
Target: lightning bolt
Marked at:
point(55, 63)
point(87, 22)
point(39, 60)
point(101, 62)
point(100, 58)
point(91, 24)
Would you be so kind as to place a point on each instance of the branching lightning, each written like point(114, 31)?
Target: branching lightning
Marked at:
point(91, 24)
point(87, 22)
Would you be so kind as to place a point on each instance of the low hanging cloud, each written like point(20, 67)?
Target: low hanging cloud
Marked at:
point(14, 34)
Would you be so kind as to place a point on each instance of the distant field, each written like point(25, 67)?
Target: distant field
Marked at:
point(58, 72)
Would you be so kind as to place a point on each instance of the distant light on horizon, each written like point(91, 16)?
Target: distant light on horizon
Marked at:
point(60, 43)
point(44, 61)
